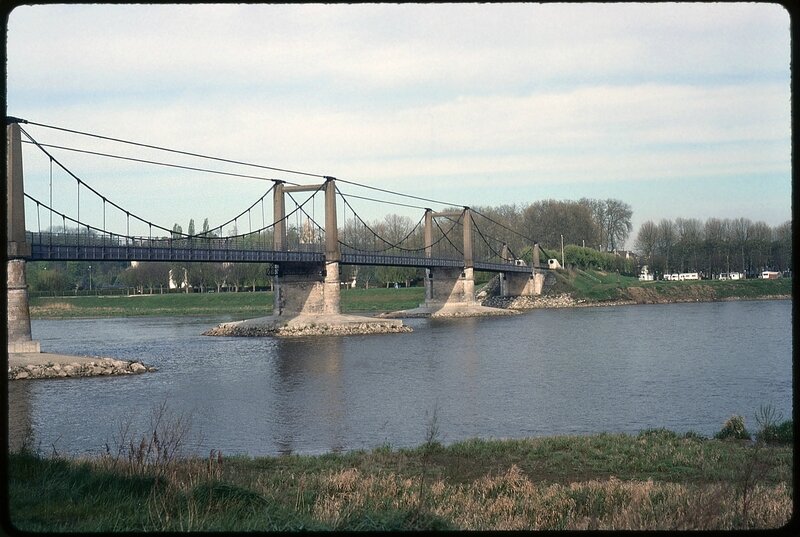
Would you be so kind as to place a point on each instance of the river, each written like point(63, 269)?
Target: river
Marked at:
point(545, 372)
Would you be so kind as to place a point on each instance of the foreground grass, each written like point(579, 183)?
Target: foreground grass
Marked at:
point(236, 304)
point(654, 480)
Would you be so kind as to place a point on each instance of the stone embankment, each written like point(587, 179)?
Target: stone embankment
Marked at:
point(533, 302)
point(94, 368)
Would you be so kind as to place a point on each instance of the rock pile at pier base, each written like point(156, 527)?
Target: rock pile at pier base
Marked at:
point(308, 325)
point(22, 366)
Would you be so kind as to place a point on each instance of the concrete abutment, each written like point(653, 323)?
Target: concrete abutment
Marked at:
point(18, 317)
point(521, 284)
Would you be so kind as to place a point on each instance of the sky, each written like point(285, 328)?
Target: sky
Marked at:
point(679, 110)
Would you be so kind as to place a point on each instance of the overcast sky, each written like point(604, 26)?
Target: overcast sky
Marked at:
point(680, 110)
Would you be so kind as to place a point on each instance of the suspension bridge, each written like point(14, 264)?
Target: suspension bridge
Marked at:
point(305, 251)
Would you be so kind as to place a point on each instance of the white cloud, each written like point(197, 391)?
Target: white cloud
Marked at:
point(524, 94)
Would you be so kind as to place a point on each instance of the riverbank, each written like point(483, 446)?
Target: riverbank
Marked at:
point(656, 480)
point(574, 288)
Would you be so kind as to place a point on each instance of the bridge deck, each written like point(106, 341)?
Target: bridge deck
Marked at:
point(133, 252)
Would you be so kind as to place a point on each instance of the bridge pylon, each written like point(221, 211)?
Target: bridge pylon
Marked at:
point(18, 317)
point(302, 289)
point(307, 295)
point(450, 287)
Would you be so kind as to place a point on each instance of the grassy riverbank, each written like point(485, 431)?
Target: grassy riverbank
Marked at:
point(599, 286)
point(239, 305)
point(654, 480)
point(588, 286)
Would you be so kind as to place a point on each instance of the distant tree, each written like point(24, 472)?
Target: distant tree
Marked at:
point(666, 241)
point(714, 244)
point(782, 246)
point(740, 236)
point(153, 274)
point(546, 221)
point(689, 242)
point(52, 281)
point(597, 208)
point(190, 231)
point(617, 223)
point(760, 246)
point(177, 231)
point(646, 241)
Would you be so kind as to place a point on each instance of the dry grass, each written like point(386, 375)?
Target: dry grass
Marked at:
point(511, 501)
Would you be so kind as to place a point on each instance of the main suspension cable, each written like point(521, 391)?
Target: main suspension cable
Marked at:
point(155, 162)
point(160, 148)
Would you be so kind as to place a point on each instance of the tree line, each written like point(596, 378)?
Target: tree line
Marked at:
point(714, 246)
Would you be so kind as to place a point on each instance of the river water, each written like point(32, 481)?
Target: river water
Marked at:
point(545, 372)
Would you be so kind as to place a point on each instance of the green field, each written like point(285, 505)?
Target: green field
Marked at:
point(246, 304)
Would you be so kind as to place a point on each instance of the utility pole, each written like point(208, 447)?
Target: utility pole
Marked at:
point(563, 261)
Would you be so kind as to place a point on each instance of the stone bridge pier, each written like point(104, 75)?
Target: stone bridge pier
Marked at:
point(307, 296)
point(522, 284)
point(18, 318)
point(299, 291)
point(449, 286)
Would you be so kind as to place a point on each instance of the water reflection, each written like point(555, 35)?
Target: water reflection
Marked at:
point(311, 391)
point(20, 427)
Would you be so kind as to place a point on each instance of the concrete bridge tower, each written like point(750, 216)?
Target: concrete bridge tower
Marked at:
point(307, 294)
point(450, 286)
point(18, 319)
point(302, 288)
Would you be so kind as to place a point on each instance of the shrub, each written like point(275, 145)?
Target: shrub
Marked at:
point(777, 433)
point(771, 430)
point(693, 435)
point(734, 428)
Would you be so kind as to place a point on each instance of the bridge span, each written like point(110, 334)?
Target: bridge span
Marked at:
point(306, 257)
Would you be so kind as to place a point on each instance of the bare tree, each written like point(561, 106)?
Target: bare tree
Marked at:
point(761, 239)
point(617, 223)
point(546, 221)
point(689, 240)
point(782, 246)
point(666, 240)
point(740, 232)
point(646, 241)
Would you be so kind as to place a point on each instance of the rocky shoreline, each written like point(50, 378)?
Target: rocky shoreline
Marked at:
point(92, 368)
point(567, 301)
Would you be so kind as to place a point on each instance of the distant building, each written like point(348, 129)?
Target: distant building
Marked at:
point(627, 254)
point(770, 275)
point(175, 284)
point(645, 275)
point(679, 277)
